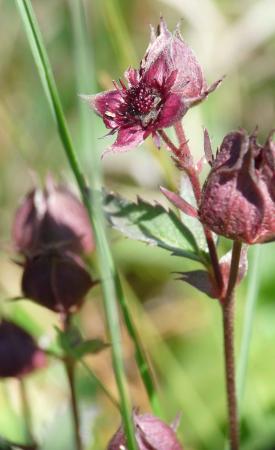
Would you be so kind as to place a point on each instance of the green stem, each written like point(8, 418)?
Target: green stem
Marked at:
point(69, 365)
point(26, 413)
point(83, 75)
point(92, 202)
point(70, 371)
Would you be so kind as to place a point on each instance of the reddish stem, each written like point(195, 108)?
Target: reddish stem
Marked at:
point(227, 304)
point(185, 156)
point(169, 143)
point(185, 162)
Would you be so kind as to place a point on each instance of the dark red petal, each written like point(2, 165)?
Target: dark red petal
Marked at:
point(173, 110)
point(104, 102)
point(159, 71)
point(127, 138)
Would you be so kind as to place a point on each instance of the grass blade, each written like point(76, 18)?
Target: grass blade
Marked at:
point(83, 79)
point(106, 265)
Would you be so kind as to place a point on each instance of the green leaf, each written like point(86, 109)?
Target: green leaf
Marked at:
point(152, 224)
point(91, 346)
point(73, 344)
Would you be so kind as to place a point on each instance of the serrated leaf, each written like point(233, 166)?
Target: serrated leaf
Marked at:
point(152, 224)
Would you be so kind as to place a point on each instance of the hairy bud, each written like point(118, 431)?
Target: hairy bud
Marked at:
point(238, 199)
point(19, 354)
point(151, 434)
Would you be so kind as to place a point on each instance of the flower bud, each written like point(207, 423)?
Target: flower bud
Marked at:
point(58, 281)
point(238, 199)
point(151, 434)
point(19, 353)
point(52, 217)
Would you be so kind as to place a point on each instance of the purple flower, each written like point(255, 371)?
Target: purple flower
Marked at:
point(168, 82)
point(151, 434)
point(238, 198)
point(19, 354)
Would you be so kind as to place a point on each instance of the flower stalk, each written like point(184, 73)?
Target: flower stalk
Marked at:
point(185, 161)
point(227, 305)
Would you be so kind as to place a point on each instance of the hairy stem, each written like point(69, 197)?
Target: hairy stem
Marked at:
point(185, 161)
point(228, 336)
point(169, 143)
point(227, 304)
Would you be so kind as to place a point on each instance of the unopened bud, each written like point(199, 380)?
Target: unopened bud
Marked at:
point(238, 199)
point(52, 217)
point(58, 281)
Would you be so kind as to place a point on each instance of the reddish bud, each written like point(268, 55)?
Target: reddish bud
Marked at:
point(58, 281)
point(151, 434)
point(19, 354)
point(238, 199)
point(52, 217)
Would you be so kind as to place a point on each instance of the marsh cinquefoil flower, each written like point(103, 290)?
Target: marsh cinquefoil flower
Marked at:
point(238, 198)
point(168, 82)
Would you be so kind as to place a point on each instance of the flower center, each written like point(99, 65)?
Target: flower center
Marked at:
point(144, 103)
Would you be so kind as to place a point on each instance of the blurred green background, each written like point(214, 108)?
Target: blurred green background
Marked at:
point(181, 329)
